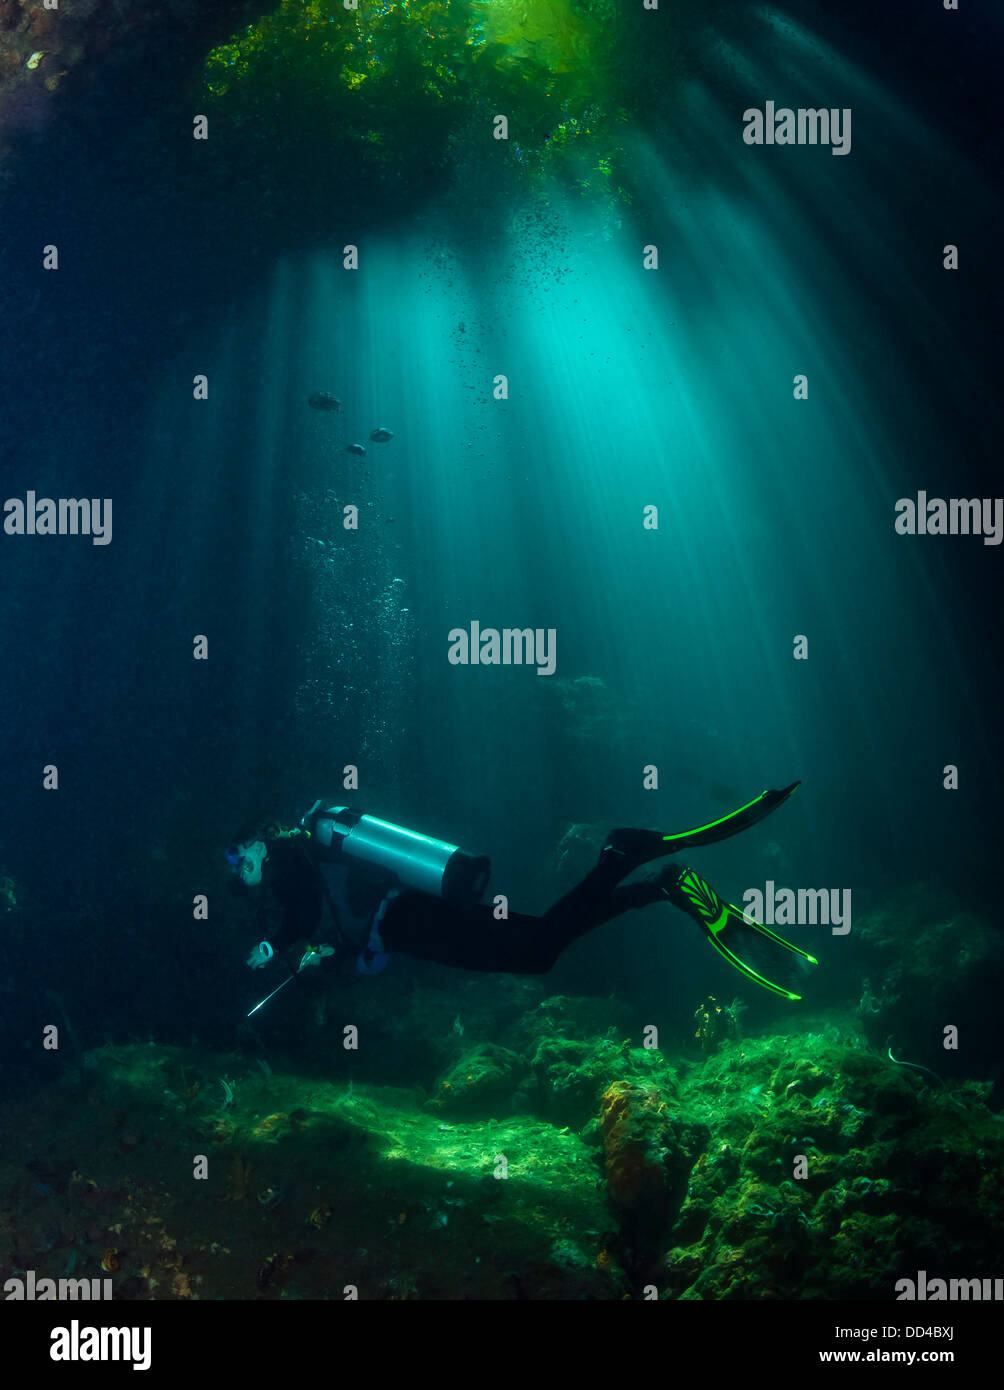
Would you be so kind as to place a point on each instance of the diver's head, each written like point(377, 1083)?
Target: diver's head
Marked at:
point(246, 861)
point(247, 854)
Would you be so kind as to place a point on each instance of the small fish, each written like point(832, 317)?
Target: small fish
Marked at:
point(355, 449)
point(381, 436)
point(323, 400)
point(35, 59)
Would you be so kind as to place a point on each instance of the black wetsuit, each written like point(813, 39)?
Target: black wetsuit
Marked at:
point(473, 939)
point(301, 880)
point(384, 920)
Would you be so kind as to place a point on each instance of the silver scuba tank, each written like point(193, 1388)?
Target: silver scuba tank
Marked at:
point(420, 862)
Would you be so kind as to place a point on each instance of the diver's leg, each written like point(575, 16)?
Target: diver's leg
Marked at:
point(474, 939)
point(469, 938)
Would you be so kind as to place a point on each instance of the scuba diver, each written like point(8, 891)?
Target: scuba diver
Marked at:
point(389, 890)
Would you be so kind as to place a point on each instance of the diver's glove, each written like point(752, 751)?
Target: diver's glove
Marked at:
point(260, 956)
point(314, 955)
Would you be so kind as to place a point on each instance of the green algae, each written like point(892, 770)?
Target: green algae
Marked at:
point(553, 1163)
point(389, 88)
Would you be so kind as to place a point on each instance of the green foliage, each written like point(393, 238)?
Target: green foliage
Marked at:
point(381, 91)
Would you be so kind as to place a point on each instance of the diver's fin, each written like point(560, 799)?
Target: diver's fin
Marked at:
point(761, 930)
point(638, 847)
point(732, 824)
point(731, 934)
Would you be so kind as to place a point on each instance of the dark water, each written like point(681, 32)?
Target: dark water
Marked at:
point(627, 388)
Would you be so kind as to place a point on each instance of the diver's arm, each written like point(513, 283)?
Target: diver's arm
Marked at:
point(294, 901)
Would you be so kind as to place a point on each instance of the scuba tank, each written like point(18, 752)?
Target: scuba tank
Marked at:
point(430, 866)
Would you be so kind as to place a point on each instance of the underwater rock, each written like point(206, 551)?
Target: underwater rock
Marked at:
point(570, 1075)
point(578, 848)
point(357, 1168)
point(323, 400)
point(632, 1127)
point(562, 1016)
point(801, 1076)
point(480, 1083)
point(567, 1255)
point(809, 1185)
point(43, 45)
point(647, 1159)
point(590, 711)
point(355, 449)
point(381, 436)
